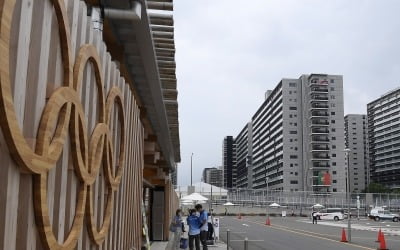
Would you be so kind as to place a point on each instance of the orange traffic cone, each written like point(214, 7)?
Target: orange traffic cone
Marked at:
point(382, 243)
point(379, 236)
point(268, 222)
point(344, 239)
point(239, 216)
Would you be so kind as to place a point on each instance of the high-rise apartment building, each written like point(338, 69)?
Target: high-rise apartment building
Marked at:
point(356, 138)
point(244, 144)
point(229, 162)
point(298, 136)
point(213, 176)
point(384, 139)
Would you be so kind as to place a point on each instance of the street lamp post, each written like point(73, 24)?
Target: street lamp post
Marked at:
point(347, 153)
point(191, 170)
point(267, 179)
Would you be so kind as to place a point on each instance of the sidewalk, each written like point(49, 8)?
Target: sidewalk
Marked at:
point(164, 245)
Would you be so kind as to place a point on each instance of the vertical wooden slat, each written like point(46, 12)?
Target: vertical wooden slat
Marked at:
point(35, 101)
point(9, 175)
point(110, 239)
point(121, 190)
point(81, 39)
point(107, 76)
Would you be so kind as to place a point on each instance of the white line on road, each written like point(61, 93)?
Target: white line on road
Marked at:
point(248, 240)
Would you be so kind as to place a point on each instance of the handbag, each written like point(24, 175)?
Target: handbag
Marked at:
point(172, 227)
point(184, 243)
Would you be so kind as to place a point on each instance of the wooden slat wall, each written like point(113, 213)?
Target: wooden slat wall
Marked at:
point(36, 71)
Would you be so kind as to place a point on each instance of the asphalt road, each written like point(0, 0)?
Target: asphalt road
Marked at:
point(298, 233)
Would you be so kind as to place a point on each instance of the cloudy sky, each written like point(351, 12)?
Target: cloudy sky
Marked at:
point(229, 52)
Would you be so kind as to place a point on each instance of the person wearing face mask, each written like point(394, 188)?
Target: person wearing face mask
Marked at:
point(194, 229)
point(204, 225)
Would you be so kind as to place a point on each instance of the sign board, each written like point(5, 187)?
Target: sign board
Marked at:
point(216, 223)
point(358, 202)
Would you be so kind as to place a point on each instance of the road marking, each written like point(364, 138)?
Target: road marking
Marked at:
point(313, 236)
point(248, 240)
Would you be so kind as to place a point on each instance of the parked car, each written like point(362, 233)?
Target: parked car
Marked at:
point(379, 213)
point(330, 214)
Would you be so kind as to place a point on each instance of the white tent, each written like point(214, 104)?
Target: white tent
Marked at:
point(203, 189)
point(194, 197)
point(229, 204)
point(274, 205)
point(317, 206)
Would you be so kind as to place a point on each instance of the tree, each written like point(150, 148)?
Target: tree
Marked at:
point(377, 188)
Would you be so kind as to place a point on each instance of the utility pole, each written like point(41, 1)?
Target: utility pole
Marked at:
point(347, 153)
point(191, 170)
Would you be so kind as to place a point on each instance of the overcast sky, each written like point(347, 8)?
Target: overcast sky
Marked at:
point(229, 52)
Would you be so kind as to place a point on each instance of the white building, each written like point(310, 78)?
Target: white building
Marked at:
point(298, 136)
point(356, 137)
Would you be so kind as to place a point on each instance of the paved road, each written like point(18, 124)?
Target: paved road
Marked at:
point(298, 233)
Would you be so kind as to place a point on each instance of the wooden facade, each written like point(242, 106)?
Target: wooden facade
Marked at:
point(72, 140)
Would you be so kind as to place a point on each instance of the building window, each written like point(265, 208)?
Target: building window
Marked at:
point(332, 88)
point(293, 132)
point(294, 182)
point(332, 121)
point(332, 113)
point(333, 172)
point(293, 108)
point(333, 146)
point(333, 129)
point(293, 156)
point(333, 138)
point(333, 155)
point(292, 84)
point(334, 181)
point(332, 97)
point(332, 81)
point(334, 190)
point(333, 105)
point(333, 163)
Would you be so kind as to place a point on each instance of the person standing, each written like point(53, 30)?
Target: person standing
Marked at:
point(177, 222)
point(226, 211)
point(314, 217)
point(194, 229)
point(204, 225)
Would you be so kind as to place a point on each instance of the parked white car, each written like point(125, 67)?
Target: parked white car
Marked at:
point(330, 214)
point(379, 213)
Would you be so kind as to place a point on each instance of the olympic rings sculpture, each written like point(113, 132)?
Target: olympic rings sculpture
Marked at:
point(64, 114)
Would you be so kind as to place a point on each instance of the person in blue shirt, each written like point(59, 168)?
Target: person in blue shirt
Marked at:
point(194, 224)
point(204, 225)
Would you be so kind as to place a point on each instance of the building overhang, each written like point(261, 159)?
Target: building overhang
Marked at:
point(148, 57)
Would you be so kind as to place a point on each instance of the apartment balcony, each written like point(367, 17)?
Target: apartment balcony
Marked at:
point(320, 157)
point(319, 114)
point(319, 139)
point(318, 82)
point(319, 123)
point(319, 131)
point(320, 148)
point(319, 106)
point(322, 165)
point(319, 98)
point(319, 89)
point(316, 183)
